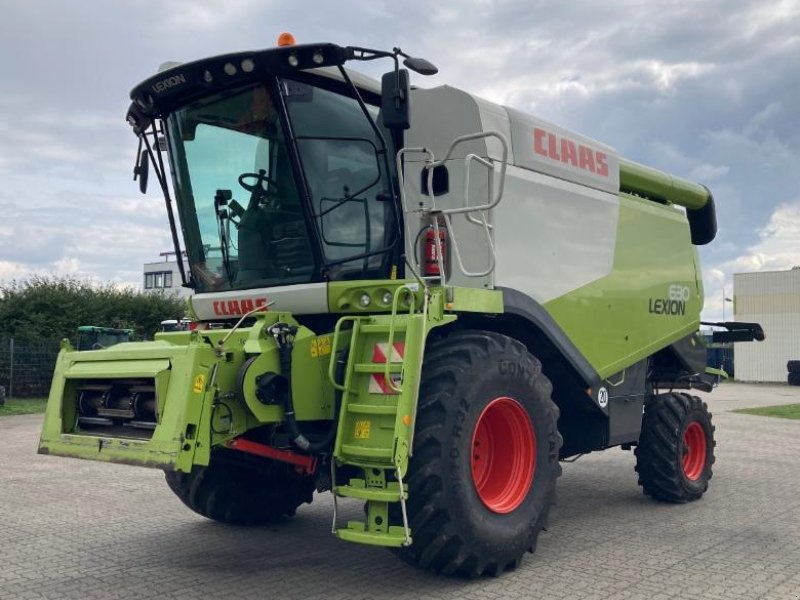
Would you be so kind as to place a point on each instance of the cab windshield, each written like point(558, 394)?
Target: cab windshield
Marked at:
point(261, 207)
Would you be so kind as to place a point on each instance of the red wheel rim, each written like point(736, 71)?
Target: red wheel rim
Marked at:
point(503, 455)
point(694, 451)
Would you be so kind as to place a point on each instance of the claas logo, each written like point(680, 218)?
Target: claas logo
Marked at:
point(237, 308)
point(569, 152)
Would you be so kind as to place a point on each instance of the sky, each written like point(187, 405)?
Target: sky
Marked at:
point(704, 89)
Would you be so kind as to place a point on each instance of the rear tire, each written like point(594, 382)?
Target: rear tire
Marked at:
point(240, 489)
point(676, 448)
point(485, 463)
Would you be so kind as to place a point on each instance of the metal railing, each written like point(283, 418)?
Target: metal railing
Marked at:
point(432, 212)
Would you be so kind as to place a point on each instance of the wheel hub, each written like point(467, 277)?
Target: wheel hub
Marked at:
point(503, 455)
point(694, 451)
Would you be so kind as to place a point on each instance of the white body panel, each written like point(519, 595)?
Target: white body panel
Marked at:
point(300, 299)
point(772, 299)
point(553, 236)
point(555, 227)
point(547, 148)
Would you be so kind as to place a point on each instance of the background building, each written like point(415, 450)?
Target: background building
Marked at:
point(164, 276)
point(771, 298)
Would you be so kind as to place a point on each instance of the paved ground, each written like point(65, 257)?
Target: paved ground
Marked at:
point(74, 529)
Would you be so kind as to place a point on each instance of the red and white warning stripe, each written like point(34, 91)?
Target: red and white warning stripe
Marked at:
point(377, 381)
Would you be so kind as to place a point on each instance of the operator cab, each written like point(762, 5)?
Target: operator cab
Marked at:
point(97, 338)
point(283, 172)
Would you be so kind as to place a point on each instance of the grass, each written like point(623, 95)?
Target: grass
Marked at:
point(22, 406)
point(785, 411)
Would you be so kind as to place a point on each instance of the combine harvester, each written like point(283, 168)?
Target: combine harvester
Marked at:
point(427, 309)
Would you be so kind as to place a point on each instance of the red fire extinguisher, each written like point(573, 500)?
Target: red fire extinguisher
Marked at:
point(430, 251)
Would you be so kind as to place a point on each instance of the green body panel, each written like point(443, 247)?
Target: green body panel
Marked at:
point(344, 296)
point(179, 439)
point(718, 372)
point(478, 300)
point(117, 368)
point(379, 393)
point(312, 394)
point(197, 393)
point(378, 409)
point(611, 320)
point(205, 393)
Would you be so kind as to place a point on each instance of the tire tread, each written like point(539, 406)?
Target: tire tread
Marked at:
point(438, 545)
point(660, 472)
point(236, 491)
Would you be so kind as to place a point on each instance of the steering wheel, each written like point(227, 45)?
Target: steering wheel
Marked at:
point(261, 187)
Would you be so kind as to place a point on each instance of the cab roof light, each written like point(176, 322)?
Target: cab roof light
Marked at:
point(286, 39)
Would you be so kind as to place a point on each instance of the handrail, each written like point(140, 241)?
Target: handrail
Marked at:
point(467, 210)
point(457, 252)
point(503, 164)
point(387, 365)
point(489, 166)
point(335, 349)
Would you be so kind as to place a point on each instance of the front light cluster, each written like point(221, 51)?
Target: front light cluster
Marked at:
point(379, 299)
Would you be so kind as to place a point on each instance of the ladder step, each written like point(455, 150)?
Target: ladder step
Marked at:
point(356, 531)
point(381, 328)
point(367, 452)
point(377, 368)
point(358, 489)
point(372, 409)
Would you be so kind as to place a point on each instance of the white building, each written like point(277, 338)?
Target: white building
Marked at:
point(164, 276)
point(771, 298)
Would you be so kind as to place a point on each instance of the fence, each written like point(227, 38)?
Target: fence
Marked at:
point(26, 366)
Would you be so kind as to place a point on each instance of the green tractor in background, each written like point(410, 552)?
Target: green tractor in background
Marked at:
point(425, 311)
point(97, 338)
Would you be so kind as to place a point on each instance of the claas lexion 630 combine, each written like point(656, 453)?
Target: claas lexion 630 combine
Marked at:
point(426, 309)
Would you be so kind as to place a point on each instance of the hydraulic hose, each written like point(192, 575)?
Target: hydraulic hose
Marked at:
point(284, 337)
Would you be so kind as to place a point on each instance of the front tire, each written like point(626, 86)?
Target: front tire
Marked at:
point(240, 489)
point(482, 477)
point(675, 454)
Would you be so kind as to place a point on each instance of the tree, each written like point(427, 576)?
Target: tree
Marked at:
point(44, 307)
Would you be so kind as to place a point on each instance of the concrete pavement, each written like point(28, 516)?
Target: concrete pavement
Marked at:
point(77, 529)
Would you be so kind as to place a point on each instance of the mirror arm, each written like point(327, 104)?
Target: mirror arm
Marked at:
point(160, 175)
point(398, 92)
point(137, 168)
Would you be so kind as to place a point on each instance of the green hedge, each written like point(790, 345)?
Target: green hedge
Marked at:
point(47, 308)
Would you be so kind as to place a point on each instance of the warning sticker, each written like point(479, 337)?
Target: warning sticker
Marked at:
point(199, 383)
point(320, 347)
point(361, 430)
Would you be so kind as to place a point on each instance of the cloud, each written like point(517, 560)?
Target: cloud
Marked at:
point(11, 270)
point(703, 89)
point(779, 245)
point(706, 172)
point(778, 249)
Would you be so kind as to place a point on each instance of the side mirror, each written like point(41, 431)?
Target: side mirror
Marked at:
point(142, 170)
point(395, 100)
point(421, 66)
